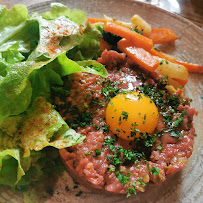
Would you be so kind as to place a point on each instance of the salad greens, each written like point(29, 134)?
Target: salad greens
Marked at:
point(90, 41)
point(36, 52)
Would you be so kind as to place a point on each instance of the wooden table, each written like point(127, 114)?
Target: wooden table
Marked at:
point(190, 9)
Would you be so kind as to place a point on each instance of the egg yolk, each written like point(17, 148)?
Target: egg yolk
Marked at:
point(130, 115)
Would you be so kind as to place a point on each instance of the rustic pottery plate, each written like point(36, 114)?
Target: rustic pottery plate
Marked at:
point(186, 185)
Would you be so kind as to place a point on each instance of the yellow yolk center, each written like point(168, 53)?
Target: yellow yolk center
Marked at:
point(132, 113)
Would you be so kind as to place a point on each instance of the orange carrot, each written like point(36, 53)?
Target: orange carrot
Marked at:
point(181, 82)
point(158, 53)
point(138, 40)
point(139, 55)
point(191, 67)
point(104, 45)
point(162, 35)
point(96, 20)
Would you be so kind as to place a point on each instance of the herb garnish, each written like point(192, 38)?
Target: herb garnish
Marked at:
point(153, 171)
point(124, 115)
point(97, 153)
point(131, 190)
point(124, 179)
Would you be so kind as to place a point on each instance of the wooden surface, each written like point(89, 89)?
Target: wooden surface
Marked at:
point(190, 9)
point(193, 10)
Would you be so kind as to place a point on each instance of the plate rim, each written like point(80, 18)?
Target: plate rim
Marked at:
point(174, 15)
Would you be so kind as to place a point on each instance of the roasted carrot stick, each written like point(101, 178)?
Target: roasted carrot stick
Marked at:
point(162, 35)
point(181, 82)
point(104, 45)
point(189, 66)
point(96, 20)
point(159, 54)
point(138, 40)
point(192, 67)
point(139, 55)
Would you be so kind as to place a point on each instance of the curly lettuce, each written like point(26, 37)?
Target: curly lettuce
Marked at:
point(10, 167)
point(21, 136)
point(89, 48)
point(58, 9)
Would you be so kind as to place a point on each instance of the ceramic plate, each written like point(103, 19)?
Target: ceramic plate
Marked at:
point(184, 186)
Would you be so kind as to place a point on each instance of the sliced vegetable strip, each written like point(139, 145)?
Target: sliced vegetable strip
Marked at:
point(159, 54)
point(192, 67)
point(139, 55)
point(96, 20)
point(137, 39)
point(189, 66)
point(162, 35)
point(181, 82)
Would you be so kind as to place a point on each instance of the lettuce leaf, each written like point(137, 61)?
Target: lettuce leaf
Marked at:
point(39, 127)
point(58, 9)
point(62, 66)
point(19, 172)
point(25, 34)
point(89, 48)
point(12, 17)
point(56, 36)
point(9, 165)
point(21, 137)
point(10, 53)
point(93, 67)
point(15, 88)
point(43, 126)
point(42, 80)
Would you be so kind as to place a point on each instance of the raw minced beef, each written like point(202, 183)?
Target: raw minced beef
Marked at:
point(103, 159)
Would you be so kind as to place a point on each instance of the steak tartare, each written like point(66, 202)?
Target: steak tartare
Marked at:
point(105, 160)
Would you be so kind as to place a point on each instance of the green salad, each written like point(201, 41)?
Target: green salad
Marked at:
point(36, 52)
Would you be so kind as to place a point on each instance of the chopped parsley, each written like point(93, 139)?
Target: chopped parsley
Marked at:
point(166, 78)
point(67, 188)
point(139, 96)
point(79, 194)
point(162, 62)
point(109, 142)
point(122, 156)
point(88, 153)
point(110, 89)
point(124, 179)
point(75, 187)
point(131, 190)
point(156, 48)
point(97, 153)
point(175, 134)
point(108, 158)
point(178, 122)
point(111, 168)
point(50, 191)
point(79, 118)
point(153, 171)
point(137, 30)
point(125, 115)
point(159, 147)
